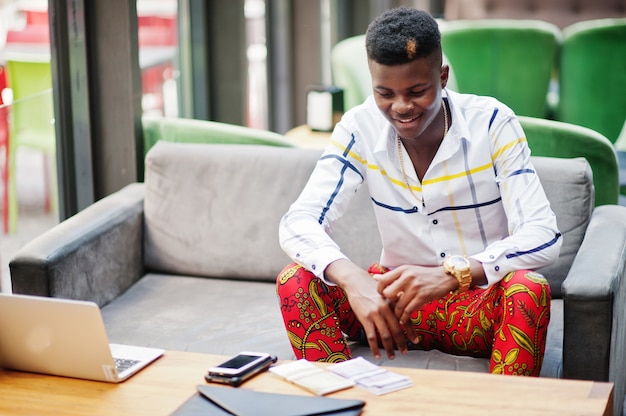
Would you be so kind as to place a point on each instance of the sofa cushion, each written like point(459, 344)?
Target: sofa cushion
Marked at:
point(213, 210)
point(186, 313)
point(219, 316)
point(568, 184)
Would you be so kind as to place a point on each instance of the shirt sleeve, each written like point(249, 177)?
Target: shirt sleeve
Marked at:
point(534, 240)
point(304, 231)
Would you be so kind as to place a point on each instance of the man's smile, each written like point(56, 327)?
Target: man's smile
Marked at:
point(405, 120)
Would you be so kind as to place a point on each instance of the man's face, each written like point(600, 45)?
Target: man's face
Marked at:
point(409, 95)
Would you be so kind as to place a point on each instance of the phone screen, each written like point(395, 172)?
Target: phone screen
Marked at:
point(239, 361)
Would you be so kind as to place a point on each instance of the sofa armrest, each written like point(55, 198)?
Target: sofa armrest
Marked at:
point(94, 255)
point(594, 297)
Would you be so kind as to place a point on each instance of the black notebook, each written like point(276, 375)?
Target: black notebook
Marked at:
point(228, 401)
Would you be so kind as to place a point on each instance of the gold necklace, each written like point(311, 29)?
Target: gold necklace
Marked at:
point(401, 159)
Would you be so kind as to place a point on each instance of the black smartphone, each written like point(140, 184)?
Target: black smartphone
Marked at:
point(240, 368)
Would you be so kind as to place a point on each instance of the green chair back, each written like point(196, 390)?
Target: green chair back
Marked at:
point(563, 140)
point(511, 60)
point(350, 72)
point(32, 111)
point(31, 123)
point(202, 131)
point(592, 82)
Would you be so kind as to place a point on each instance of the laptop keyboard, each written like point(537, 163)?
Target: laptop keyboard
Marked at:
point(124, 364)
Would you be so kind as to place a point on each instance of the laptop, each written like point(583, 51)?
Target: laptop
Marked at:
point(64, 337)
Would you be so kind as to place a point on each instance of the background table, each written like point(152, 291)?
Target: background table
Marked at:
point(303, 136)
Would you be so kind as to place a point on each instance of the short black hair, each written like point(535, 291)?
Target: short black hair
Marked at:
point(401, 35)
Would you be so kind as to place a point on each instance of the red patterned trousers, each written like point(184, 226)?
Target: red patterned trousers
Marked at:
point(507, 322)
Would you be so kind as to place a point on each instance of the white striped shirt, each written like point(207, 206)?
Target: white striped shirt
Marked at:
point(482, 196)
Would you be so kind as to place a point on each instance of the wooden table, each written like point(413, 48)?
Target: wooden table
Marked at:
point(303, 136)
point(166, 384)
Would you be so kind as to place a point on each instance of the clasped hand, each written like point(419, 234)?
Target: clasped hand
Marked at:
point(383, 304)
point(408, 288)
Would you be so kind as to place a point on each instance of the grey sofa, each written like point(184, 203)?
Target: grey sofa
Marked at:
point(188, 259)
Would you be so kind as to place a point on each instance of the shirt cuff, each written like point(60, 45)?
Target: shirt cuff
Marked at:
point(317, 262)
point(493, 267)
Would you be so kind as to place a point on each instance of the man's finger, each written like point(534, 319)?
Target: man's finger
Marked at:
point(387, 340)
point(372, 340)
point(398, 337)
point(410, 332)
point(385, 279)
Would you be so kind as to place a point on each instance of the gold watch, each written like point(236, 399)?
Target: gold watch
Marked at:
point(460, 268)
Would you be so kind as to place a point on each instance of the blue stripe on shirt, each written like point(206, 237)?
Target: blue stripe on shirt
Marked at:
point(345, 162)
point(349, 146)
point(521, 171)
point(536, 249)
point(493, 117)
point(471, 206)
point(397, 209)
point(346, 165)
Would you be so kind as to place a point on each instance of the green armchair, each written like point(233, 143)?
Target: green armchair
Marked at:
point(511, 60)
point(348, 60)
point(563, 140)
point(592, 81)
point(185, 130)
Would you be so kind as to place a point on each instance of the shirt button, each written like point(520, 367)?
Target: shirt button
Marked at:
point(442, 255)
point(435, 222)
point(497, 268)
point(313, 267)
point(492, 257)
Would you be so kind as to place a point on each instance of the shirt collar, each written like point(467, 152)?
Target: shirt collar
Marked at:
point(457, 132)
point(386, 140)
point(459, 129)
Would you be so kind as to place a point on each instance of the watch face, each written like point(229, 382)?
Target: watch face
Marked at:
point(458, 262)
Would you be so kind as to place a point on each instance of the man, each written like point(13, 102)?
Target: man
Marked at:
point(462, 216)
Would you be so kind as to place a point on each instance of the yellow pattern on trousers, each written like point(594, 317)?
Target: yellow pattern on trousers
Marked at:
point(507, 322)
